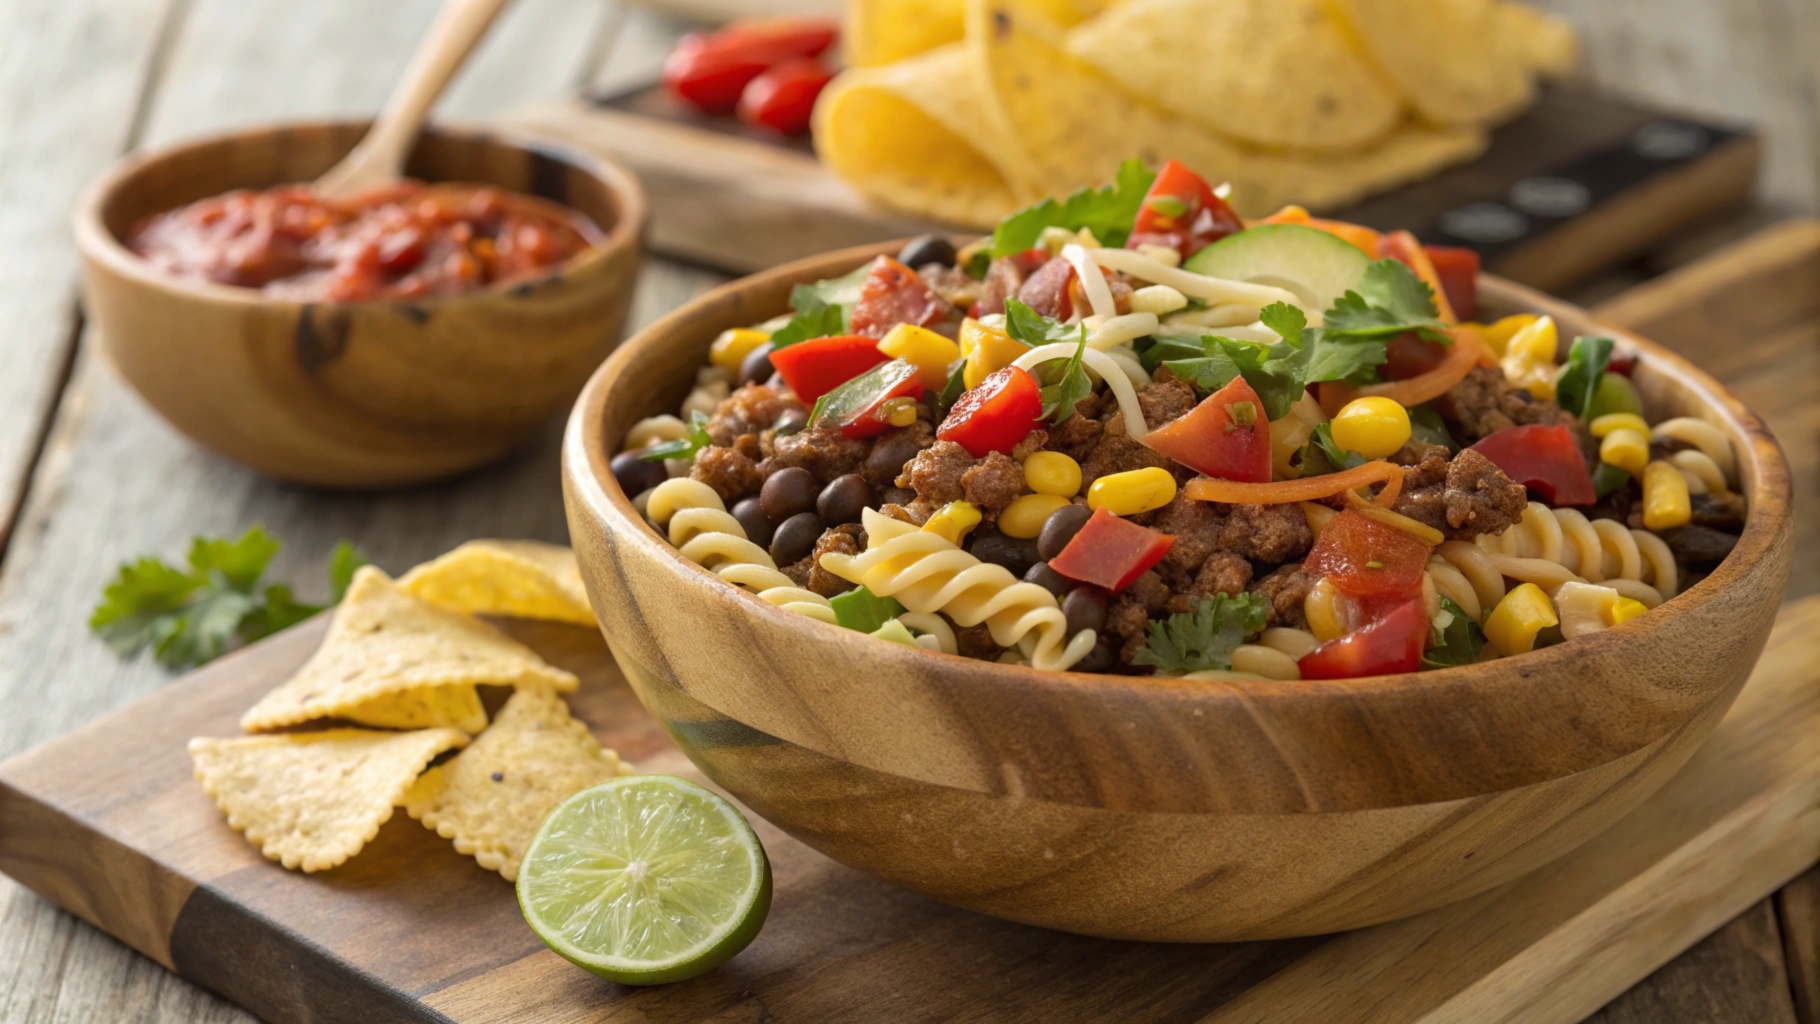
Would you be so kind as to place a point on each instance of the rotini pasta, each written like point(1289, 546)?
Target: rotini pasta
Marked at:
point(1708, 439)
point(705, 533)
point(653, 429)
point(933, 631)
point(1550, 547)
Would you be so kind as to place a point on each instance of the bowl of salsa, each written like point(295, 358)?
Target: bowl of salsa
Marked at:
point(402, 336)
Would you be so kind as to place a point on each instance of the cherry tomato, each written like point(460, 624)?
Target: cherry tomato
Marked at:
point(1391, 644)
point(1366, 558)
point(1181, 207)
point(1225, 436)
point(815, 367)
point(783, 96)
point(995, 416)
point(893, 294)
point(711, 70)
point(1544, 458)
point(855, 407)
point(1111, 552)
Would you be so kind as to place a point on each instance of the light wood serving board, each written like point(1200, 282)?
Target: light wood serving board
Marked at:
point(108, 823)
point(1575, 185)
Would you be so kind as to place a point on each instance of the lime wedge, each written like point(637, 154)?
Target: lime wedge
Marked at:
point(644, 880)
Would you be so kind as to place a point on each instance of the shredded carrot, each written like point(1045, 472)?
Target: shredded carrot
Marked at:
point(1308, 488)
point(1461, 357)
point(1415, 528)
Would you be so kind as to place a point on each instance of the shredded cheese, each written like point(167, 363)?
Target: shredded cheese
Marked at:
point(1197, 286)
point(1099, 295)
point(1108, 369)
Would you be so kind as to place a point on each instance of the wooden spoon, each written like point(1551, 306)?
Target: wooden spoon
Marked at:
point(379, 158)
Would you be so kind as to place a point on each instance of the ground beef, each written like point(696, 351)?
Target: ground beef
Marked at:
point(1417, 454)
point(1165, 401)
point(893, 450)
point(747, 445)
point(845, 539)
point(1196, 527)
point(1118, 454)
point(935, 474)
point(825, 453)
point(1480, 498)
point(799, 572)
point(1424, 494)
point(893, 510)
point(1033, 442)
point(1266, 533)
point(1222, 573)
point(955, 286)
point(1286, 589)
point(730, 473)
point(749, 410)
point(993, 482)
point(1483, 403)
point(1004, 276)
point(976, 642)
point(1128, 622)
point(1077, 435)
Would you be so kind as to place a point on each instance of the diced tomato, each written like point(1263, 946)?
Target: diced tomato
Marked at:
point(1226, 436)
point(1046, 291)
point(1391, 644)
point(711, 70)
point(893, 294)
point(815, 367)
point(1544, 458)
point(1458, 270)
point(856, 407)
point(1409, 355)
point(1183, 208)
point(1366, 558)
point(1622, 363)
point(782, 97)
point(995, 416)
point(1111, 552)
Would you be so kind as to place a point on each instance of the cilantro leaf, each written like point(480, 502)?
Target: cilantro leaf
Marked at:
point(1206, 637)
point(1390, 300)
point(682, 447)
point(822, 323)
point(1288, 321)
point(206, 626)
point(863, 610)
point(1578, 381)
point(342, 562)
point(1108, 211)
point(135, 607)
point(240, 562)
point(1427, 427)
point(280, 611)
point(1459, 643)
point(1064, 382)
point(952, 392)
point(1032, 328)
point(822, 309)
point(1321, 455)
point(1158, 349)
point(1608, 478)
point(978, 264)
point(1339, 358)
point(1278, 372)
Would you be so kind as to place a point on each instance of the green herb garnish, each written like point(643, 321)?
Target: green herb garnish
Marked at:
point(1458, 644)
point(1427, 427)
point(682, 447)
point(863, 610)
point(1390, 300)
point(1108, 211)
point(1206, 637)
point(1578, 383)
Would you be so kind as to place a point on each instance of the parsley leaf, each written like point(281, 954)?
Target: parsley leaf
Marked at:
point(1578, 381)
point(281, 611)
point(135, 609)
point(682, 447)
point(1108, 211)
point(1065, 382)
point(1206, 637)
point(1278, 372)
point(822, 323)
point(822, 309)
point(863, 610)
point(342, 562)
point(1390, 300)
point(240, 562)
point(1459, 643)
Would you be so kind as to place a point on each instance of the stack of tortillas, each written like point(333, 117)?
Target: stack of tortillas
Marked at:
point(395, 679)
point(1316, 102)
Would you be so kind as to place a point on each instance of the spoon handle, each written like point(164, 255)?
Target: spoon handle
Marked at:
point(380, 156)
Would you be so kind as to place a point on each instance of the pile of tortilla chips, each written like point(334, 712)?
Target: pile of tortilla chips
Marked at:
point(964, 110)
point(395, 681)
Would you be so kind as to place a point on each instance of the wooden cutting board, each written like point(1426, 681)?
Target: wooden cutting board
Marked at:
point(1575, 185)
point(108, 823)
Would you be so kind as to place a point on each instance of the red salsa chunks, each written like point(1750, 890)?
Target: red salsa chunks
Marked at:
point(409, 241)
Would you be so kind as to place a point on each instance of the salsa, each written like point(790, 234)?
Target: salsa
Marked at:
point(411, 240)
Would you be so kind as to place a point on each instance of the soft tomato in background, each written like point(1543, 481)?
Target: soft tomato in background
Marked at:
point(715, 71)
point(782, 97)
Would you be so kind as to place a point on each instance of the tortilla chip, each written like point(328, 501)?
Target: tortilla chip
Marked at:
point(883, 31)
point(1269, 72)
point(384, 642)
point(1548, 42)
point(1325, 182)
point(492, 797)
point(521, 579)
point(424, 707)
point(311, 800)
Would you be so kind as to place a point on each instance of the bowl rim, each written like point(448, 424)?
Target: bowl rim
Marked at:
point(95, 241)
point(1761, 460)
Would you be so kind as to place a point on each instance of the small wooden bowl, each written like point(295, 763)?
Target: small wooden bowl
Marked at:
point(361, 394)
point(1153, 809)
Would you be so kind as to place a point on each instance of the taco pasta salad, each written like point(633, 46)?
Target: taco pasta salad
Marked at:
point(1131, 433)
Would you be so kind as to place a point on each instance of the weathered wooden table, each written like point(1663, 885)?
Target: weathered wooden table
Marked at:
point(90, 477)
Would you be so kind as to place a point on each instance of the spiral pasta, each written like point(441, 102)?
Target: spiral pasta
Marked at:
point(1550, 547)
point(927, 574)
point(1708, 439)
point(653, 429)
point(705, 533)
point(934, 633)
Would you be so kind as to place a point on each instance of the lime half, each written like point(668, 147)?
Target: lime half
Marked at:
point(645, 879)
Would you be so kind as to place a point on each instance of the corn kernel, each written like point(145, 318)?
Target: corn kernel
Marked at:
point(731, 347)
point(1536, 342)
point(952, 521)
point(1157, 298)
point(1498, 334)
point(1052, 473)
point(1603, 425)
point(1665, 497)
point(1625, 449)
point(899, 412)
point(1375, 427)
point(1025, 516)
point(1514, 623)
point(1167, 255)
point(1536, 378)
point(1625, 610)
point(989, 349)
point(1321, 609)
point(924, 349)
point(1131, 492)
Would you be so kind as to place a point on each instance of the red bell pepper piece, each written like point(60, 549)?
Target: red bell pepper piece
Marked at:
point(1111, 552)
point(711, 70)
point(1458, 270)
point(1225, 436)
point(1391, 644)
point(893, 294)
point(1366, 558)
point(815, 367)
point(1544, 458)
point(855, 406)
point(782, 97)
point(995, 416)
point(1181, 210)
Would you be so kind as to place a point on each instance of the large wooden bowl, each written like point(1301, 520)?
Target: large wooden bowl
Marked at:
point(1153, 809)
point(363, 394)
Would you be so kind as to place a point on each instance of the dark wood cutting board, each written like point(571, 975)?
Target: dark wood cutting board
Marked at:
point(1575, 185)
point(108, 823)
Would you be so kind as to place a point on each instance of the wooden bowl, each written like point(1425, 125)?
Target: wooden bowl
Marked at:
point(359, 394)
point(1152, 809)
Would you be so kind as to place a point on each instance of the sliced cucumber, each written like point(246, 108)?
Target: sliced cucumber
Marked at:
point(1313, 264)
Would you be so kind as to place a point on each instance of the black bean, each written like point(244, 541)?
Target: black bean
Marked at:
point(898, 496)
point(1011, 552)
point(758, 526)
point(1047, 578)
point(793, 419)
point(635, 475)
point(788, 492)
point(844, 499)
point(756, 366)
point(1100, 659)
point(923, 250)
point(1699, 545)
point(1060, 528)
point(795, 538)
point(1085, 608)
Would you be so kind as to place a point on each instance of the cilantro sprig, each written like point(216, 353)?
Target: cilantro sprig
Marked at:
point(1390, 300)
point(1108, 211)
point(1322, 455)
point(1458, 643)
point(1206, 637)
point(682, 447)
point(192, 614)
point(1578, 382)
point(821, 309)
point(1064, 381)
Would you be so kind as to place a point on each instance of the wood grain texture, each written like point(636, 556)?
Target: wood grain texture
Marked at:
point(1734, 974)
point(1798, 913)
